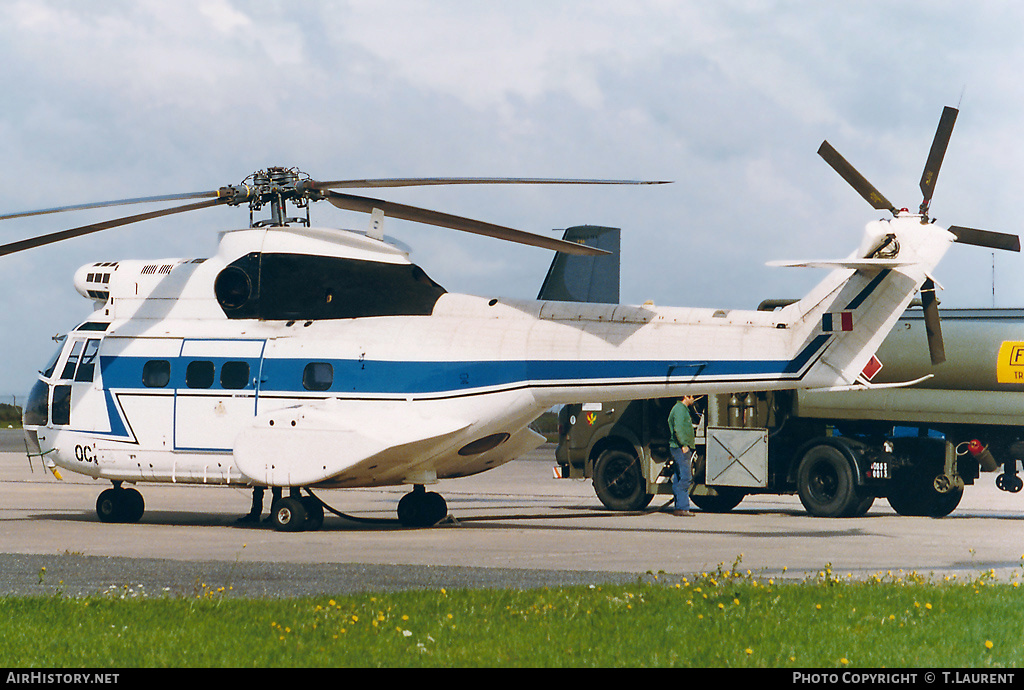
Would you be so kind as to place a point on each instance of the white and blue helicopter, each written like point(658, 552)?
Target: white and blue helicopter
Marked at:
point(301, 357)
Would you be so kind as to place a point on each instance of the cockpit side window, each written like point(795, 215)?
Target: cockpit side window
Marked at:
point(87, 367)
point(72, 361)
point(60, 412)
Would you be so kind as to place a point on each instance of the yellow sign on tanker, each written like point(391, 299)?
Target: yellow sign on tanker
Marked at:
point(1010, 366)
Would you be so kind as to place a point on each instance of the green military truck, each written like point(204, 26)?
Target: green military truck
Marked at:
point(917, 447)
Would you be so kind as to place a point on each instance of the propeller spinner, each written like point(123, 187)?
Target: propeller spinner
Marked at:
point(981, 238)
point(279, 186)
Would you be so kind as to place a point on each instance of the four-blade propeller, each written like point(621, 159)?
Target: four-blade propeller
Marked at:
point(276, 186)
point(981, 238)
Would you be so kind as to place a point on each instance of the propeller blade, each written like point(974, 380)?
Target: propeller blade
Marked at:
point(105, 204)
point(986, 238)
point(854, 178)
point(42, 240)
point(932, 328)
point(349, 202)
point(431, 181)
point(935, 156)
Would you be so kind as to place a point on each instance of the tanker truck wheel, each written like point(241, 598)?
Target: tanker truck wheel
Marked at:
point(912, 492)
point(618, 481)
point(825, 481)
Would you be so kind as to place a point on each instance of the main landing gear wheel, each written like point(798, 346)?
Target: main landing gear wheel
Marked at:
point(296, 513)
point(314, 512)
point(422, 508)
point(120, 505)
point(288, 514)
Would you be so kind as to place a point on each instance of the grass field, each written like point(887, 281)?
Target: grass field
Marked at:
point(727, 618)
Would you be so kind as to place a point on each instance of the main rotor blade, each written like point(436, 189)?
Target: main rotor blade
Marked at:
point(932, 328)
point(986, 238)
point(351, 202)
point(856, 180)
point(105, 204)
point(936, 154)
point(42, 240)
point(431, 181)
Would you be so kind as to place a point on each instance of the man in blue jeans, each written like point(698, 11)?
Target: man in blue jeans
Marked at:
point(681, 442)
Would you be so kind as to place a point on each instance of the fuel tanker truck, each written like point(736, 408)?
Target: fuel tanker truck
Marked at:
point(916, 446)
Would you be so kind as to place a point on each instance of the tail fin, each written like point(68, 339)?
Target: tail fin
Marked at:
point(573, 278)
point(840, 324)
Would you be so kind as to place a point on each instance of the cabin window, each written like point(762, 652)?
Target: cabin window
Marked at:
point(317, 376)
point(199, 374)
point(234, 375)
point(156, 373)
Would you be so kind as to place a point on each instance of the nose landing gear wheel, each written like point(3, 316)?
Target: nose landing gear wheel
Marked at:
point(120, 505)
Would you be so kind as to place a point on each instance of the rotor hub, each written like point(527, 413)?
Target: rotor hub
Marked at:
point(275, 186)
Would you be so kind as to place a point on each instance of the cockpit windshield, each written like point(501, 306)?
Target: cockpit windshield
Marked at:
point(47, 371)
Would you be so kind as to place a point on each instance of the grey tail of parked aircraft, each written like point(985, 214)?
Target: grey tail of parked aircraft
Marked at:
point(574, 278)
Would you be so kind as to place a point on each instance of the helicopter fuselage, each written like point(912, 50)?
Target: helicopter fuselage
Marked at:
point(327, 358)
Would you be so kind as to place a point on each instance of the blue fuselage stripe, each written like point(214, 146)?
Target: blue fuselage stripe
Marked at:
point(424, 377)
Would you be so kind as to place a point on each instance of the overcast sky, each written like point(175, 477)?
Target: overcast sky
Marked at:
point(108, 100)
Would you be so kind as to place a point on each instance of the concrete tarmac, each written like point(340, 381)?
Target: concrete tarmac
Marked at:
point(514, 526)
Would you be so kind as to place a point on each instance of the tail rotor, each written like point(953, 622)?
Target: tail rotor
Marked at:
point(980, 238)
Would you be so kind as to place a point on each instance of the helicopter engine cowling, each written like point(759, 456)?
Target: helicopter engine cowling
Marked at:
point(104, 279)
point(93, 280)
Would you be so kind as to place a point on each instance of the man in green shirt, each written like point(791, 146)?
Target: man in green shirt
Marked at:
point(681, 442)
